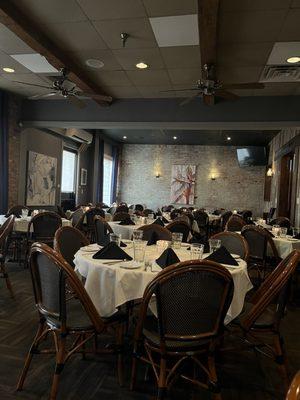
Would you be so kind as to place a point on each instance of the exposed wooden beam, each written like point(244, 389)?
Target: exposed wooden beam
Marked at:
point(26, 30)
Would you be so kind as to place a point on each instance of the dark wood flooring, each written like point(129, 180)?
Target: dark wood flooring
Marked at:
point(243, 375)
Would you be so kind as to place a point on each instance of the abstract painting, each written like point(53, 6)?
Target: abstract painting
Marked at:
point(183, 184)
point(41, 179)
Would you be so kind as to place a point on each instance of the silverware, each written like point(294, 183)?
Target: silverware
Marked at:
point(115, 262)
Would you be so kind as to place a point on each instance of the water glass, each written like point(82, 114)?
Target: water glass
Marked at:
point(214, 244)
point(24, 213)
point(115, 238)
point(276, 230)
point(137, 235)
point(176, 240)
point(283, 232)
point(197, 250)
point(162, 245)
point(296, 231)
point(139, 248)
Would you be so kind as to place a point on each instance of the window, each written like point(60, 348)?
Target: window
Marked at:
point(68, 172)
point(107, 179)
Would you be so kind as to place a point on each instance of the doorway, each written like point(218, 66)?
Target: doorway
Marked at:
point(285, 185)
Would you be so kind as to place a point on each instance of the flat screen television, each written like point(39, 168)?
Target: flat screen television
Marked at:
point(251, 156)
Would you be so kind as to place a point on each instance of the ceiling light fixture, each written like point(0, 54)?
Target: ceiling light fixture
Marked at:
point(124, 137)
point(94, 63)
point(174, 137)
point(8, 69)
point(293, 60)
point(141, 65)
point(228, 138)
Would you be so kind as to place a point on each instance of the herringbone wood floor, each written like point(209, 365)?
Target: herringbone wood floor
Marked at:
point(243, 375)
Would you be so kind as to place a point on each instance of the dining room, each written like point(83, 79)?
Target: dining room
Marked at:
point(149, 199)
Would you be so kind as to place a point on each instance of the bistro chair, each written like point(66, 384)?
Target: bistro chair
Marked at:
point(261, 319)
point(202, 220)
point(89, 222)
point(235, 223)
point(192, 300)
point(247, 216)
point(161, 232)
point(294, 389)
point(102, 230)
point(72, 324)
point(283, 222)
point(16, 211)
point(5, 233)
point(224, 219)
point(76, 216)
point(180, 226)
point(139, 207)
point(148, 211)
point(67, 241)
point(234, 243)
point(122, 209)
point(121, 216)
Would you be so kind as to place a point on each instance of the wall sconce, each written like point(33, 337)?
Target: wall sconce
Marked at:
point(157, 175)
point(270, 172)
point(213, 177)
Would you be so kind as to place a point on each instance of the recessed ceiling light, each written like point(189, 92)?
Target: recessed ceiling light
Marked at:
point(293, 60)
point(141, 65)
point(228, 138)
point(174, 137)
point(9, 70)
point(124, 137)
point(94, 63)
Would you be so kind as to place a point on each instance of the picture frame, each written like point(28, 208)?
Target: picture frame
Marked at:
point(83, 177)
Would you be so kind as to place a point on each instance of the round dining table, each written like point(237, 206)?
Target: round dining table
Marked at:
point(21, 224)
point(111, 284)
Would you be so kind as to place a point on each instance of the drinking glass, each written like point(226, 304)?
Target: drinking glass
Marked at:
point(283, 232)
point(296, 231)
point(162, 245)
point(24, 213)
point(176, 240)
point(276, 230)
point(150, 216)
point(139, 247)
point(197, 250)
point(115, 238)
point(137, 235)
point(214, 244)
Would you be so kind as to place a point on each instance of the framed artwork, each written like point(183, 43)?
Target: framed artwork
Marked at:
point(183, 184)
point(83, 177)
point(41, 180)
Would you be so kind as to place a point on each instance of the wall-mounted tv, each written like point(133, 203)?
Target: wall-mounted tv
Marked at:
point(251, 156)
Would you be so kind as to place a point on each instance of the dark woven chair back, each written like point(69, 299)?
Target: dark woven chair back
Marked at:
point(247, 216)
point(277, 289)
point(294, 389)
point(122, 209)
point(121, 216)
point(5, 232)
point(224, 218)
point(44, 225)
point(76, 216)
point(139, 207)
point(260, 242)
point(175, 214)
point(102, 230)
point(283, 222)
point(60, 212)
point(90, 216)
point(180, 226)
point(234, 243)
point(161, 232)
point(16, 211)
point(7, 223)
point(148, 211)
point(68, 241)
point(202, 219)
point(192, 299)
point(235, 224)
point(49, 272)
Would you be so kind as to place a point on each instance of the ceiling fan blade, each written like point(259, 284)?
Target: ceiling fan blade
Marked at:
point(33, 84)
point(209, 99)
point(189, 99)
point(42, 96)
point(76, 101)
point(226, 95)
point(86, 94)
point(248, 85)
point(178, 90)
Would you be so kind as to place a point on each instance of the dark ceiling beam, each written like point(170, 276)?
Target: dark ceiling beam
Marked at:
point(29, 32)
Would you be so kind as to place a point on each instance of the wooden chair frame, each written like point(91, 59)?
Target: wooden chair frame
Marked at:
point(294, 389)
point(161, 231)
point(5, 232)
point(179, 223)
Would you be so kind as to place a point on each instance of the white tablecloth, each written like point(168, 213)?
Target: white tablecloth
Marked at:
point(285, 246)
point(124, 230)
point(110, 286)
point(21, 224)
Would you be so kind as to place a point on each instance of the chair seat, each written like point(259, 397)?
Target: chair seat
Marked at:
point(152, 336)
point(265, 321)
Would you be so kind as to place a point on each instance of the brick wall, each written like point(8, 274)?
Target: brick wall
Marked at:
point(234, 187)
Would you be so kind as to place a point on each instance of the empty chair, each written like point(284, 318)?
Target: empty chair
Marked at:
point(60, 212)
point(122, 209)
point(76, 216)
point(235, 223)
point(224, 218)
point(179, 226)
point(89, 224)
point(161, 232)
point(139, 207)
point(102, 231)
point(294, 389)
point(148, 211)
point(283, 222)
point(247, 216)
point(175, 213)
point(5, 232)
point(192, 300)
point(202, 220)
point(67, 241)
point(71, 324)
point(121, 216)
point(16, 211)
point(234, 243)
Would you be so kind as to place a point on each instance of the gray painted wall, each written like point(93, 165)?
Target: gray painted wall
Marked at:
point(234, 187)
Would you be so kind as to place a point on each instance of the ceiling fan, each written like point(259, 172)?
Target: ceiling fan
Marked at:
point(63, 87)
point(209, 87)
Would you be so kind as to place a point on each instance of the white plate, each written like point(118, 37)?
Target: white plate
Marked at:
point(292, 240)
point(131, 265)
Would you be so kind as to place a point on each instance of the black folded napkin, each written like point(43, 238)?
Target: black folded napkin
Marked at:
point(222, 256)
point(152, 239)
point(122, 244)
point(127, 222)
point(168, 257)
point(111, 252)
point(158, 221)
point(164, 220)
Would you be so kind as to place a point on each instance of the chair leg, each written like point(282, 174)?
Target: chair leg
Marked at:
point(7, 280)
point(162, 385)
point(119, 343)
point(33, 349)
point(281, 359)
point(133, 372)
point(60, 363)
point(213, 379)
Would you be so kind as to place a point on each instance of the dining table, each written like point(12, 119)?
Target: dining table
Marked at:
point(111, 284)
point(21, 224)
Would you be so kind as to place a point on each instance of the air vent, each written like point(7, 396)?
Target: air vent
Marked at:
point(280, 73)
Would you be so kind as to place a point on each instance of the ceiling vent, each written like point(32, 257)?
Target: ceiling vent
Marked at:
point(280, 73)
point(79, 135)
